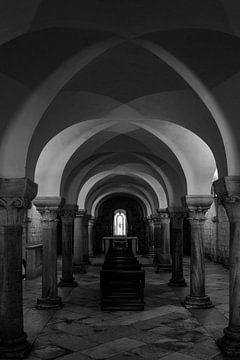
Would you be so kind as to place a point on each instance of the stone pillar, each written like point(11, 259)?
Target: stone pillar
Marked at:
point(150, 229)
point(145, 220)
point(228, 191)
point(176, 224)
point(78, 263)
point(164, 256)
point(91, 224)
point(15, 198)
point(157, 233)
point(67, 216)
point(49, 209)
point(198, 206)
point(85, 240)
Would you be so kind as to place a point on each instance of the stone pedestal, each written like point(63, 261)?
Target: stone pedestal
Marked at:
point(15, 198)
point(78, 264)
point(197, 205)
point(164, 257)
point(67, 216)
point(49, 209)
point(177, 278)
point(228, 191)
point(91, 225)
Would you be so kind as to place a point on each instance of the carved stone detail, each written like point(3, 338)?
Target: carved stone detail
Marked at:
point(15, 198)
point(49, 209)
point(68, 213)
point(198, 206)
point(228, 191)
point(156, 220)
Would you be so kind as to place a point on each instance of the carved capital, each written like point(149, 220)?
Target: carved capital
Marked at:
point(68, 212)
point(15, 199)
point(164, 214)
point(91, 222)
point(198, 205)
point(81, 213)
point(48, 206)
point(156, 219)
point(228, 192)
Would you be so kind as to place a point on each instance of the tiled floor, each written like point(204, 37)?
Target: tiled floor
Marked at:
point(164, 330)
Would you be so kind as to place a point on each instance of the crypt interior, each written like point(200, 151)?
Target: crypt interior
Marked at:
point(119, 135)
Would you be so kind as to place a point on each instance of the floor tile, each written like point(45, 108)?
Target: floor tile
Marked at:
point(164, 330)
point(112, 348)
point(49, 352)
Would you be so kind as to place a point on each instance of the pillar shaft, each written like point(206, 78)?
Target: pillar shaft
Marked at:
point(197, 205)
point(150, 235)
point(91, 224)
point(228, 191)
point(177, 248)
point(157, 236)
point(85, 240)
point(15, 197)
point(79, 242)
point(49, 209)
point(164, 256)
point(67, 217)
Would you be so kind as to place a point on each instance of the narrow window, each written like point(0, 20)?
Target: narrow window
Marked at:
point(120, 223)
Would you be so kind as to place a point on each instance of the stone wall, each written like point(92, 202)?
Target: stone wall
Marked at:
point(223, 236)
point(216, 234)
point(32, 243)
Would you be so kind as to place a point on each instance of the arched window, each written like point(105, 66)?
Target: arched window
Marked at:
point(120, 223)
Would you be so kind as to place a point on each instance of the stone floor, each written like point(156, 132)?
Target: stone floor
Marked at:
point(164, 330)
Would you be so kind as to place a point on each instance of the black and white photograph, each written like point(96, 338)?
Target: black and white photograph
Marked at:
point(120, 179)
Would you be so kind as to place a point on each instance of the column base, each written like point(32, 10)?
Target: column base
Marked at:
point(67, 283)
point(49, 303)
point(164, 267)
point(15, 349)
point(79, 268)
point(230, 343)
point(198, 302)
point(177, 282)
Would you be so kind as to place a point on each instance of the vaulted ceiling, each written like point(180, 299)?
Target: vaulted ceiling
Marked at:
point(104, 96)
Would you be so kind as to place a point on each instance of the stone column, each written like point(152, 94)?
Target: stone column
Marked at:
point(67, 217)
point(150, 238)
point(198, 206)
point(164, 256)
point(145, 220)
point(15, 198)
point(176, 224)
point(49, 209)
point(91, 224)
point(78, 264)
point(157, 234)
point(228, 191)
point(85, 240)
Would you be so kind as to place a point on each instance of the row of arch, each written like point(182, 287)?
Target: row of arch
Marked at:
point(75, 158)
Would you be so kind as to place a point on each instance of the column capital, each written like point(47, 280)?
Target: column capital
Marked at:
point(68, 212)
point(15, 199)
point(81, 213)
point(198, 205)
point(228, 192)
point(91, 222)
point(48, 206)
point(163, 213)
point(156, 219)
